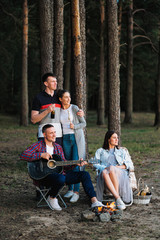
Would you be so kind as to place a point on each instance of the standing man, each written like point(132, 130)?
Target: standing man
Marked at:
point(45, 148)
point(45, 103)
point(46, 107)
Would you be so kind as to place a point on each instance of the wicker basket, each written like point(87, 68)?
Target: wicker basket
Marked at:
point(138, 199)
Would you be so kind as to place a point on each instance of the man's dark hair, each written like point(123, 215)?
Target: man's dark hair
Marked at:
point(46, 75)
point(46, 127)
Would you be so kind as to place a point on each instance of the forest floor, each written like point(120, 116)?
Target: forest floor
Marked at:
point(21, 219)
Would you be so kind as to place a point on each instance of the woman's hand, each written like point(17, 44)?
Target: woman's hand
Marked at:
point(80, 113)
point(71, 125)
point(121, 166)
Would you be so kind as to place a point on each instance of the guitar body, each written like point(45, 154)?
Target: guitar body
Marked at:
point(39, 169)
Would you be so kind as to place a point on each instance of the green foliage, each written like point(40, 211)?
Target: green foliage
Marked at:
point(145, 57)
point(93, 50)
point(11, 54)
point(10, 42)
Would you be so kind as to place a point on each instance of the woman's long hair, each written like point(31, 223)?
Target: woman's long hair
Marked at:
point(61, 92)
point(106, 138)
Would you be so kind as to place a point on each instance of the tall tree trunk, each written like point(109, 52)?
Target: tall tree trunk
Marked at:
point(59, 43)
point(83, 63)
point(77, 53)
point(129, 92)
point(113, 68)
point(119, 19)
point(157, 88)
point(68, 57)
point(83, 51)
point(46, 35)
point(24, 104)
point(101, 100)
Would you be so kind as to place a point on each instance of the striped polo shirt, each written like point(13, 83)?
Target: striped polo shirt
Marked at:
point(40, 103)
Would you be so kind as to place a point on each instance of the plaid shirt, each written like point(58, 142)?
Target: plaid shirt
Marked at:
point(33, 152)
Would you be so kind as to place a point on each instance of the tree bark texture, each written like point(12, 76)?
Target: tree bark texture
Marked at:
point(59, 42)
point(83, 52)
point(101, 99)
point(68, 59)
point(46, 35)
point(113, 68)
point(24, 103)
point(77, 53)
point(83, 63)
point(119, 19)
point(157, 88)
point(129, 91)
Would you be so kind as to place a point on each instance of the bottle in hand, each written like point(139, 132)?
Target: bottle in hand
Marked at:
point(53, 114)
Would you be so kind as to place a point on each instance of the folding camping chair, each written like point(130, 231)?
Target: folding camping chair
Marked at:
point(43, 202)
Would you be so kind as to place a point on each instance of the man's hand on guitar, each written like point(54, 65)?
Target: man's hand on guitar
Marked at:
point(46, 155)
point(82, 163)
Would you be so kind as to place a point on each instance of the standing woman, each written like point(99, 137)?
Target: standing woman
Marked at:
point(114, 164)
point(73, 137)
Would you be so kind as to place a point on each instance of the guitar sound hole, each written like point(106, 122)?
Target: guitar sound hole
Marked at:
point(51, 164)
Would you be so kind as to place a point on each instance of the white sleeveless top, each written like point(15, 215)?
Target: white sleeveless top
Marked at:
point(66, 117)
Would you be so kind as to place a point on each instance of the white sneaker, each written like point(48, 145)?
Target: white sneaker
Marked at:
point(54, 203)
point(69, 194)
point(97, 204)
point(120, 204)
point(74, 198)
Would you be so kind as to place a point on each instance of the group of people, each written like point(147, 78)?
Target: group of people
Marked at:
point(60, 132)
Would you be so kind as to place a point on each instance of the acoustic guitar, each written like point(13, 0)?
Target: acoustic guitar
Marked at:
point(41, 168)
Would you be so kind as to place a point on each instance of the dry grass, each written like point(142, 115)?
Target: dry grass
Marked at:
point(20, 219)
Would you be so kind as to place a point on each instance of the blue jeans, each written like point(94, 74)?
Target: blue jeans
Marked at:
point(71, 153)
point(56, 181)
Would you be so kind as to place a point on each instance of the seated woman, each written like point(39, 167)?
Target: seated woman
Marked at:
point(114, 164)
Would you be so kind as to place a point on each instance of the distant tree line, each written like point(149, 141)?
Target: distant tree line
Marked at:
point(102, 81)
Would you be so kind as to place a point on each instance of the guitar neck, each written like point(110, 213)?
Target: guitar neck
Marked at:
point(72, 162)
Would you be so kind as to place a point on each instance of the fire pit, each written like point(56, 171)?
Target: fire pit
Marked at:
point(103, 214)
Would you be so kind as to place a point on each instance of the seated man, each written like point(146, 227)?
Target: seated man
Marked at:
point(44, 149)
